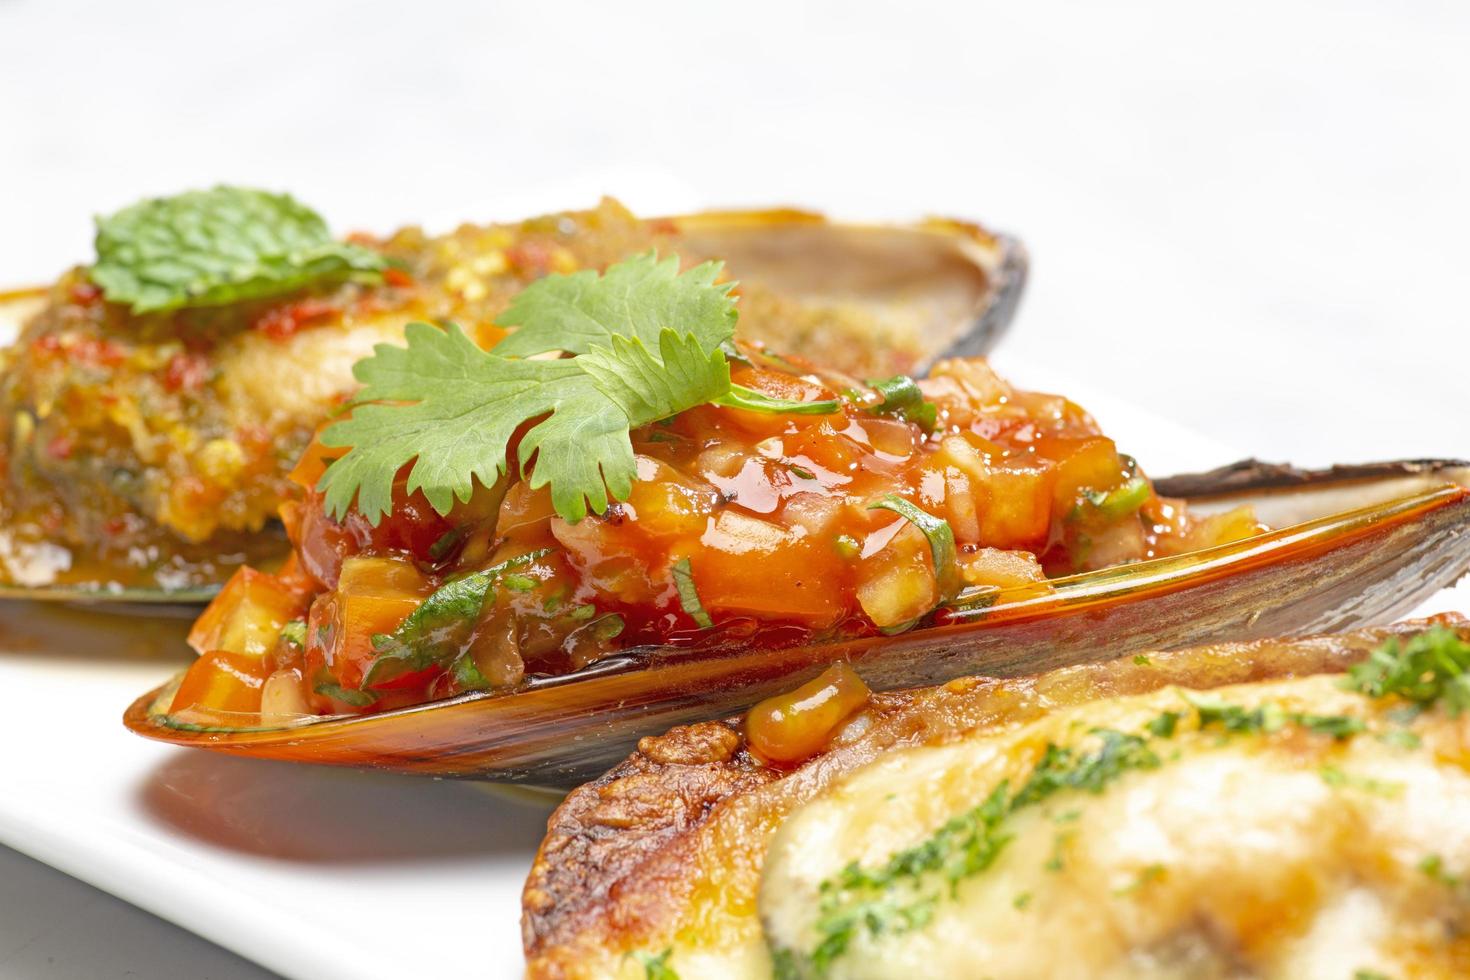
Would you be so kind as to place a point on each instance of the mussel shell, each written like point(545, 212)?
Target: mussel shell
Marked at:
point(947, 288)
point(1347, 569)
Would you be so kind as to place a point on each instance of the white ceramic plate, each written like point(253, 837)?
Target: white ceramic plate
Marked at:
point(314, 873)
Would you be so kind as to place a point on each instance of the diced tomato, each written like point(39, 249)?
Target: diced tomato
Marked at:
point(247, 615)
point(374, 595)
point(665, 504)
point(1081, 464)
point(221, 680)
point(896, 584)
point(748, 565)
point(313, 463)
point(281, 322)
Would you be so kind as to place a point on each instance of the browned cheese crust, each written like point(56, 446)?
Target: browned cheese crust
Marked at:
point(670, 842)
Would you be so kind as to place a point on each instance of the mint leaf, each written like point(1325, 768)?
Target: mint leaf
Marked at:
point(220, 246)
point(451, 409)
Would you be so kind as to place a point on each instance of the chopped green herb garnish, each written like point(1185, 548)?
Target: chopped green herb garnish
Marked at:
point(1064, 768)
point(1021, 901)
point(220, 246)
point(294, 632)
point(657, 967)
point(1059, 843)
point(435, 631)
point(688, 594)
point(446, 543)
point(646, 341)
point(347, 695)
point(902, 397)
point(467, 674)
point(801, 471)
point(1164, 725)
point(1338, 726)
point(1121, 501)
point(1433, 866)
point(1146, 875)
point(941, 541)
point(1269, 717)
point(599, 630)
point(860, 899)
point(517, 582)
point(1400, 738)
point(582, 612)
point(1141, 660)
point(1339, 779)
point(1427, 669)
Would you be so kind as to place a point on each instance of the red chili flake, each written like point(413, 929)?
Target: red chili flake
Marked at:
point(60, 447)
point(97, 351)
point(283, 321)
point(186, 372)
point(48, 344)
point(663, 226)
point(395, 276)
point(530, 258)
point(85, 292)
point(114, 527)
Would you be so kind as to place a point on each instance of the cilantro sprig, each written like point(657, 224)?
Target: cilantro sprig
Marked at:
point(220, 246)
point(646, 342)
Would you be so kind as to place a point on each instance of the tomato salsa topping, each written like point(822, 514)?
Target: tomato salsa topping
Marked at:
point(761, 500)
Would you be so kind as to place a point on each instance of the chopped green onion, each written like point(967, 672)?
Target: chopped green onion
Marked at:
point(751, 400)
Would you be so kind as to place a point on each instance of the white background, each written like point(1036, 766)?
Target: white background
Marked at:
point(1251, 216)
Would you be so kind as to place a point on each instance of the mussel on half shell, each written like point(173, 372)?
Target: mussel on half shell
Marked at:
point(1351, 547)
point(868, 299)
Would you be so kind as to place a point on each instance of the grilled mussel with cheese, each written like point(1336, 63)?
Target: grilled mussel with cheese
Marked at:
point(154, 402)
point(1280, 808)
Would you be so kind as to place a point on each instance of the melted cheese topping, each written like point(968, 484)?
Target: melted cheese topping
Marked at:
point(1284, 853)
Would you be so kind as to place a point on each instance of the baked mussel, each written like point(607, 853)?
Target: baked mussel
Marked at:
point(495, 577)
point(155, 401)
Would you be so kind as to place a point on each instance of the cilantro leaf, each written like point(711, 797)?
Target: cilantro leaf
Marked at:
point(635, 299)
point(902, 398)
point(452, 409)
point(220, 246)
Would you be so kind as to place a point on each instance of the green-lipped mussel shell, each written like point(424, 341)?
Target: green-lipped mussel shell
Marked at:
point(1391, 536)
